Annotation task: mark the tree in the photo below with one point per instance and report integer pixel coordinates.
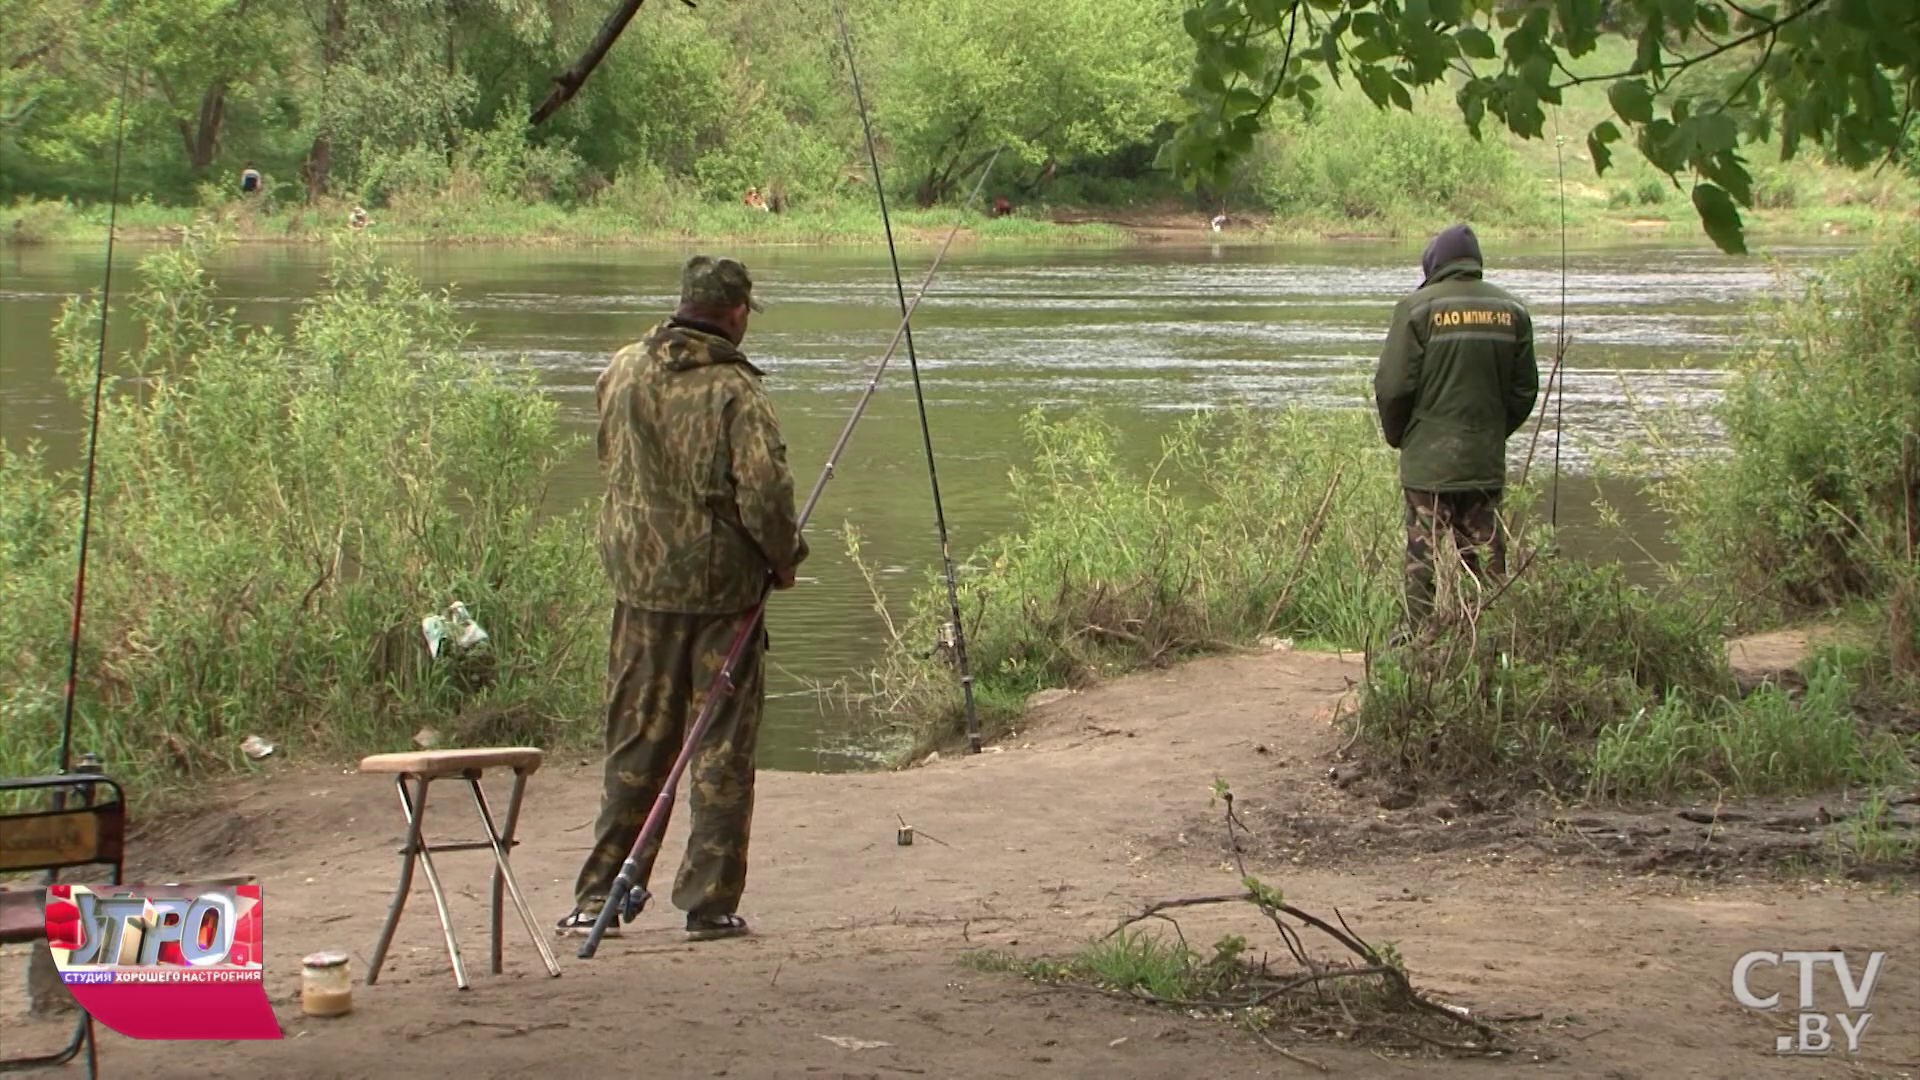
(1709, 77)
(1050, 83)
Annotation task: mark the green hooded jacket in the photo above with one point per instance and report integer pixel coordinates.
(1457, 377)
(699, 506)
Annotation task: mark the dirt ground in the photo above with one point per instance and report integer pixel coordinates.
(1623, 947)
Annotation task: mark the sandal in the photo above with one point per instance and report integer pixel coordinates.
(714, 927)
(581, 923)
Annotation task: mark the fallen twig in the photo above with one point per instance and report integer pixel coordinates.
(1290, 1055)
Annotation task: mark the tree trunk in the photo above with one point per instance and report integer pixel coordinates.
(320, 157)
(314, 168)
(203, 137)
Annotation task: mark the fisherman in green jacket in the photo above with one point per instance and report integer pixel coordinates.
(698, 518)
(1457, 378)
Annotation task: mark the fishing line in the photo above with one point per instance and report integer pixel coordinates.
(913, 364)
(93, 435)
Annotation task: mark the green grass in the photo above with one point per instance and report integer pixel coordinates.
(1768, 743)
(452, 221)
(1160, 965)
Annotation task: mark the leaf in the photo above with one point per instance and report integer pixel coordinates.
(1580, 25)
(1632, 101)
(1248, 60)
(1720, 217)
(1372, 50)
(1400, 96)
(1239, 100)
(1265, 12)
(1714, 132)
(1475, 42)
(1651, 44)
(1417, 11)
(1603, 133)
(1713, 18)
(1377, 84)
(1728, 171)
(1473, 105)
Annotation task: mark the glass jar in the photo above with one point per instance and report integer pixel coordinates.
(326, 985)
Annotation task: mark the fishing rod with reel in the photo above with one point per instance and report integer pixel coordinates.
(626, 895)
(953, 634)
(93, 439)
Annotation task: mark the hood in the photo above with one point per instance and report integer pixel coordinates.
(1453, 244)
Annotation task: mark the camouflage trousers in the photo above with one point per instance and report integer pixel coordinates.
(659, 668)
(1471, 520)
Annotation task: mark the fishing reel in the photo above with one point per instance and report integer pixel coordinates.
(947, 647)
(636, 899)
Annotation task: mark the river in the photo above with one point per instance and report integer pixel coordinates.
(1148, 335)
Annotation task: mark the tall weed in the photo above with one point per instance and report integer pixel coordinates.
(1248, 525)
(1814, 502)
(275, 515)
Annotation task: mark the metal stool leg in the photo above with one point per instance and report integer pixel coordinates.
(503, 870)
(400, 894)
(417, 847)
(433, 882)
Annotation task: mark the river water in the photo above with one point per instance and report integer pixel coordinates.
(1147, 335)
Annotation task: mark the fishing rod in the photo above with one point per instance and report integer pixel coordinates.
(1560, 409)
(957, 627)
(93, 434)
(1555, 377)
(722, 686)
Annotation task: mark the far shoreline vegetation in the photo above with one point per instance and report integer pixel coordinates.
(1167, 224)
(762, 104)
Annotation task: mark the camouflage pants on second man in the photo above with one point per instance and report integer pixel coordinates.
(1472, 519)
(659, 668)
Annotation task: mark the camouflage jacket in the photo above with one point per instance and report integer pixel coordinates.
(699, 505)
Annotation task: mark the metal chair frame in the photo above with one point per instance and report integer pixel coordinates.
(499, 841)
(109, 850)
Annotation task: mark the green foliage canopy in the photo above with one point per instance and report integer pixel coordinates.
(1708, 78)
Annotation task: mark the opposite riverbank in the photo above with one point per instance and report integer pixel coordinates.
(1591, 216)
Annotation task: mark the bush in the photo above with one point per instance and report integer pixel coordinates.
(1575, 681)
(1521, 688)
(1814, 503)
(275, 516)
(1280, 524)
(1355, 161)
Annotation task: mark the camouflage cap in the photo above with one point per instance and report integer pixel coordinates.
(712, 282)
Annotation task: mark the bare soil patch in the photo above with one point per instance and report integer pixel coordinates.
(1099, 807)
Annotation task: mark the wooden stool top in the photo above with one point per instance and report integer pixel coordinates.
(434, 764)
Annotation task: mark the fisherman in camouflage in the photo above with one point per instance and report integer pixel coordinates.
(1457, 378)
(699, 516)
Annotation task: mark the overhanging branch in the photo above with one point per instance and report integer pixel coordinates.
(569, 82)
